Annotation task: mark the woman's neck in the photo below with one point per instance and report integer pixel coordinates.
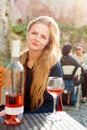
(32, 57)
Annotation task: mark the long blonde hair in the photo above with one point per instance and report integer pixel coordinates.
(49, 57)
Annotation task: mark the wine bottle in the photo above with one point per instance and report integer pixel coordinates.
(14, 98)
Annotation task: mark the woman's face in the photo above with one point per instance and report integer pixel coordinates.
(38, 37)
(79, 50)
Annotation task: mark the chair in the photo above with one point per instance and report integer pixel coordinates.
(78, 87)
(70, 71)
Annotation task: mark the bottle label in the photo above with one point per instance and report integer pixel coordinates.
(14, 111)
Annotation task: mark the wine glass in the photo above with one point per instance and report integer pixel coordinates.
(55, 87)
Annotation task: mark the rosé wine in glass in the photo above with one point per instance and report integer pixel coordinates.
(55, 91)
(55, 87)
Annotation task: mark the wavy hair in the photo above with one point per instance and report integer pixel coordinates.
(49, 57)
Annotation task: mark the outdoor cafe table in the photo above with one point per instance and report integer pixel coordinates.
(40, 122)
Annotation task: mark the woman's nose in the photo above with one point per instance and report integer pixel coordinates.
(37, 38)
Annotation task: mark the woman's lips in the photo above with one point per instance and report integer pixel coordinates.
(35, 44)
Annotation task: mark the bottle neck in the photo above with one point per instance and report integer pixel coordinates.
(15, 59)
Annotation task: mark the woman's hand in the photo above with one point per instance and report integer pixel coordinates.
(2, 110)
(2, 113)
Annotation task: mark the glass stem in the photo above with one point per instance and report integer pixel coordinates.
(54, 104)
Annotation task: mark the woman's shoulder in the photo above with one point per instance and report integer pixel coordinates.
(56, 70)
(23, 52)
(85, 54)
(57, 65)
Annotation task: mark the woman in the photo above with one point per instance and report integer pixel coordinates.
(81, 57)
(40, 61)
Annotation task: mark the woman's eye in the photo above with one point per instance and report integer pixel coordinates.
(34, 33)
(44, 37)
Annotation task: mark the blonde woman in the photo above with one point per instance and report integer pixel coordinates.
(40, 61)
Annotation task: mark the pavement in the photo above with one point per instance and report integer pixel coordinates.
(80, 115)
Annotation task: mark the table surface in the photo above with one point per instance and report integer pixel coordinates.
(40, 122)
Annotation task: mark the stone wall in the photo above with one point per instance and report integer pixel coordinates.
(65, 11)
(81, 13)
(3, 34)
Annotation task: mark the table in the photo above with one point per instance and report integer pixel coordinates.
(40, 122)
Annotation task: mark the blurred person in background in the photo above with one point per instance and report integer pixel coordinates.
(81, 57)
(67, 59)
